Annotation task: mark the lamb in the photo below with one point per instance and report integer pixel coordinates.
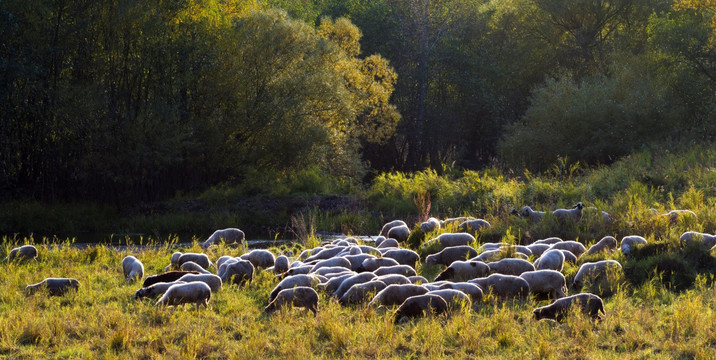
(359, 293)
(388, 243)
(534, 216)
(450, 254)
(374, 263)
(707, 240)
(294, 281)
(192, 266)
(574, 213)
(197, 293)
(22, 253)
(201, 259)
(455, 299)
(396, 294)
(349, 282)
(403, 256)
(300, 296)
(155, 290)
(588, 304)
(548, 241)
(399, 233)
(133, 268)
(511, 266)
(548, 282)
(395, 269)
(594, 271)
(574, 247)
(550, 260)
(464, 270)
(630, 242)
(390, 225)
(228, 236)
(473, 225)
(503, 286)
(605, 244)
(165, 277)
(260, 258)
(281, 264)
(239, 272)
(419, 305)
(430, 225)
(446, 240)
(472, 290)
(54, 286)
(214, 281)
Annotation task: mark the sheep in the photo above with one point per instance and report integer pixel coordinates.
(604, 216)
(605, 244)
(419, 305)
(22, 253)
(594, 271)
(357, 260)
(399, 233)
(548, 282)
(538, 249)
(133, 268)
(327, 270)
(403, 256)
(155, 290)
(201, 259)
(54, 286)
(388, 243)
(326, 253)
(455, 299)
(550, 260)
(532, 215)
(386, 228)
(165, 277)
(674, 215)
(569, 256)
(214, 281)
(488, 255)
(190, 265)
(260, 258)
(574, 247)
(445, 240)
(303, 269)
(294, 281)
(333, 283)
(472, 290)
(239, 272)
(491, 246)
(355, 279)
(588, 304)
(473, 225)
(281, 264)
(228, 236)
(225, 265)
(197, 293)
(395, 269)
(503, 286)
(390, 279)
(300, 296)
(369, 250)
(375, 263)
(430, 225)
(455, 221)
(707, 240)
(396, 294)
(222, 259)
(464, 270)
(418, 279)
(510, 266)
(450, 254)
(359, 293)
(630, 242)
(332, 262)
(574, 213)
(548, 241)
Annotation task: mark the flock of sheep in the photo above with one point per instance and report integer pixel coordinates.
(384, 275)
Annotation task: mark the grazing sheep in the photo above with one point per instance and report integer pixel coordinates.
(674, 215)
(404, 270)
(197, 293)
(594, 271)
(488, 255)
(201, 259)
(548, 282)
(574, 213)
(574, 247)
(332, 262)
(391, 279)
(455, 221)
(133, 268)
(503, 286)
(355, 279)
(403, 256)
(359, 293)
(532, 215)
(326, 253)
(400, 233)
(548, 241)
(396, 294)
(569, 256)
(214, 281)
(588, 304)
(174, 260)
(333, 283)
(386, 228)
(551, 260)
(630, 242)
(54, 286)
(300, 296)
(605, 244)
(538, 249)
(430, 225)
(281, 264)
(491, 246)
(707, 240)
(303, 269)
(223, 259)
(472, 290)
(418, 279)
(294, 281)
(388, 243)
(473, 225)
(155, 290)
(455, 299)
(420, 305)
(450, 254)
(260, 258)
(228, 236)
(511, 266)
(357, 260)
(239, 272)
(374, 263)
(446, 240)
(464, 270)
(169, 276)
(192, 266)
(22, 253)
(328, 270)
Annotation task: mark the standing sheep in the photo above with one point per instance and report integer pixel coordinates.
(473, 225)
(548, 282)
(574, 213)
(213, 281)
(396, 294)
(550, 260)
(294, 281)
(228, 236)
(165, 277)
(54, 286)
(133, 268)
(260, 258)
(300, 296)
(548, 241)
(197, 293)
(420, 305)
(403, 256)
(399, 233)
(430, 225)
(281, 264)
(404, 270)
(192, 266)
(464, 270)
(607, 243)
(359, 293)
(503, 286)
(349, 282)
(450, 254)
(511, 266)
(239, 272)
(588, 304)
(390, 225)
(533, 216)
(455, 299)
(707, 240)
(574, 247)
(22, 253)
(201, 259)
(594, 271)
(372, 264)
(445, 240)
(630, 242)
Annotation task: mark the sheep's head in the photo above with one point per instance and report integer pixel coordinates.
(526, 211)
(514, 212)
(579, 206)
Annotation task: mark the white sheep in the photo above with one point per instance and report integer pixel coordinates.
(418, 280)
(294, 281)
(464, 270)
(488, 255)
(222, 259)
(550, 260)
(54, 286)
(404, 270)
(357, 260)
(399, 233)
(594, 271)
(333, 283)
(574, 213)
(155, 290)
(491, 246)
(548, 241)
(548, 282)
(445, 240)
(607, 243)
(300, 296)
(630, 242)
(674, 215)
(430, 225)
(455, 221)
(228, 236)
(326, 253)
(396, 294)
(192, 266)
(371, 264)
(387, 243)
(455, 299)
(390, 279)
(450, 254)
(532, 215)
(707, 240)
(420, 305)
(403, 256)
(538, 249)
(510, 266)
(588, 304)
(197, 293)
(572, 246)
(503, 286)
(212, 280)
(473, 225)
(332, 262)
(260, 258)
(384, 230)
(361, 292)
(239, 272)
(569, 256)
(349, 282)
(133, 268)
(472, 290)
(22, 253)
(281, 264)
(329, 270)
(201, 259)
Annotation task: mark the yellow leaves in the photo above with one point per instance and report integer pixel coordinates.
(343, 33)
(708, 7)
